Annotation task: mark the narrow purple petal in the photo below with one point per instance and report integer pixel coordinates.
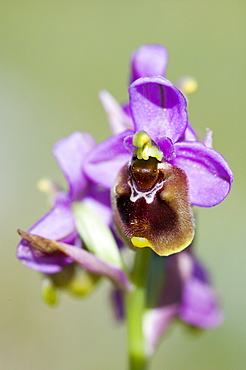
(156, 323)
(158, 108)
(127, 110)
(190, 133)
(209, 175)
(167, 147)
(148, 60)
(118, 304)
(118, 120)
(98, 266)
(58, 224)
(199, 305)
(70, 153)
(208, 139)
(106, 159)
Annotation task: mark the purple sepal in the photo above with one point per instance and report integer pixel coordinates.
(148, 60)
(189, 134)
(208, 139)
(58, 224)
(199, 305)
(118, 119)
(127, 110)
(156, 322)
(209, 175)
(186, 293)
(118, 304)
(158, 108)
(98, 266)
(70, 153)
(106, 159)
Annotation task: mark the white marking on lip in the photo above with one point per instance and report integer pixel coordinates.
(149, 196)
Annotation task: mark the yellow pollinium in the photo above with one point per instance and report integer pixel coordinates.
(188, 85)
(145, 147)
(140, 242)
(82, 283)
(49, 292)
(47, 186)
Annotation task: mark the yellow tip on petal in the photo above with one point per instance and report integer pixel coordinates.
(140, 242)
(49, 292)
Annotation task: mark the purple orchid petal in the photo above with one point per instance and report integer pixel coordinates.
(199, 272)
(70, 153)
(209, 175)
(58, 224)
(118, 120)
(106, 159)
(118, 304)
(208, 139)
(98, 199)
(167, 147)
(156, 323)
(158, 108)
(127, 110)
(199, 305)
(128, 142)
(190, 133)
(148, 60)
(98, 266)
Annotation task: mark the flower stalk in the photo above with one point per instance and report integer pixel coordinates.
(135, 305)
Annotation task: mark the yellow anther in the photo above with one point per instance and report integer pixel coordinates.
(49, 292)
(145, 147)
(188, 85)
(47, 186)
(140, 138)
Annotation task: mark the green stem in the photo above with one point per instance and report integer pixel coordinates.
(135, 302)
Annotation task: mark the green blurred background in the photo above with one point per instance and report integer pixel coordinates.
(54, 58)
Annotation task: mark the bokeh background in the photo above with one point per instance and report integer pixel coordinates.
(54, 58)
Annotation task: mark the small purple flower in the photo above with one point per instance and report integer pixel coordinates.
(184, 293)
(59, 223)
(186, 172)
(159, 108)
(89, 261)
(177, 286)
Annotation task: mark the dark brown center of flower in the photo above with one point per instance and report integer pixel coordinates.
(144, 173)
